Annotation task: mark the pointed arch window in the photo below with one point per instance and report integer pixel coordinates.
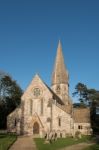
(58, 89)
(59, 121)
(31, 106)
(41, 106)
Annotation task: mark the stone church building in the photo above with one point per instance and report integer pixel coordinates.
(45, 109)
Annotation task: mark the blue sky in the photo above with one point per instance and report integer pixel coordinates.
(29, 34)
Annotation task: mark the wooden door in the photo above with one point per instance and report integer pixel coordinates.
(36, 128)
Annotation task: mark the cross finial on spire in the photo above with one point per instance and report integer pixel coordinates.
(59, 45)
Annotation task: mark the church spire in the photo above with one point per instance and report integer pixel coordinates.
(60, 74)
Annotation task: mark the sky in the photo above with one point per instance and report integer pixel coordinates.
(29, 35)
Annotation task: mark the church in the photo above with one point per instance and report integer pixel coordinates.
(45, 109)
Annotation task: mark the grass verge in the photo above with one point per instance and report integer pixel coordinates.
(6, 140)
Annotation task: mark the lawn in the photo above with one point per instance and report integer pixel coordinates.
(60, 143)
(6, 140)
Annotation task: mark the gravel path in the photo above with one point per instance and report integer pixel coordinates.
(79, 146)
(24, 143)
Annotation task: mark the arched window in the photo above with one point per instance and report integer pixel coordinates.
(31, 106)
(15, 122)
(58, 89)
(41, 106)
(59, 121)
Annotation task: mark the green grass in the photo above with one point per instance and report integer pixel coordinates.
(60, 143)
(6, 140)
(93, 147)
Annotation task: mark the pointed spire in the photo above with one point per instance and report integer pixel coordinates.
(60, 74)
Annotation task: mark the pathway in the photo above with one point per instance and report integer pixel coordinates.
(79, 146)
(24, 143)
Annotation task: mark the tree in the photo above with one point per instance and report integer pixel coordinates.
(10, 96)
(94, 108)
(88, 98)
(82, 93)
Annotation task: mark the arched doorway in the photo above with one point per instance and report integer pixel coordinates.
(36, 128)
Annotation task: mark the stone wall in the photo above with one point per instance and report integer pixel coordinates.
(83, 128)
(65, 119)
(14, 120)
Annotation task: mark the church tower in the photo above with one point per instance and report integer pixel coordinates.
(60, 77)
